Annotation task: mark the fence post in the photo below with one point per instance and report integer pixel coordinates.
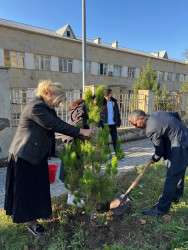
(184, 103)
(149, 99)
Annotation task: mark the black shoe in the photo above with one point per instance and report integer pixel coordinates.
(153, 211)
(176, 200)
(37, 230)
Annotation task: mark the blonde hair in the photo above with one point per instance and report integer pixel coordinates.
(56, 88)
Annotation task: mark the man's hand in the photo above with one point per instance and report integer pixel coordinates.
(151, 161)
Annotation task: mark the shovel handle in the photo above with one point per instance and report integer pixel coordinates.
(138, 178)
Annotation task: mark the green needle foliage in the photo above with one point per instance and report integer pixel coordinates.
(86, 161)
(147, 79)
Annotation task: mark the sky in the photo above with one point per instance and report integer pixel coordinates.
(144, 25)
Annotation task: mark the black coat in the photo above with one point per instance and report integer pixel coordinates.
(104, 114)
(76, 115)
(35, 131)
(170, 139)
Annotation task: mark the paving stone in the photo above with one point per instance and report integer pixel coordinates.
(136, 153)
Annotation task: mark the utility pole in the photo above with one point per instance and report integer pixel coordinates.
(83, 45)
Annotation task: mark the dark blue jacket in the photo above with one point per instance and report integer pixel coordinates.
(35, 131)
(104, 114)
(170, 139)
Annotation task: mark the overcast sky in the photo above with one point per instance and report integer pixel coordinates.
(145, 25)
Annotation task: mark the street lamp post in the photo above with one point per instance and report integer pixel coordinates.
(83, 45)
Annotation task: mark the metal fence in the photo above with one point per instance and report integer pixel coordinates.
(172, 102)
(20, 97)
(126, 102)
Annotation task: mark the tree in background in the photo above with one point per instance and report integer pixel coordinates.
(163, 100)
(184, 87)
(147, 79)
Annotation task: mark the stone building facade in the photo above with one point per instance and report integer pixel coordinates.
(32, 53)
(29, 54)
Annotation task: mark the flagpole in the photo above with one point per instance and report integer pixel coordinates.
(83, 45)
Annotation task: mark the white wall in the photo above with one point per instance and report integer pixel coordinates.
(75, 66)
(94, 68)
(124, 71)
(137, 72)
(29, 61)
(54, 63)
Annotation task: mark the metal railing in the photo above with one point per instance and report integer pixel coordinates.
(126, 102)
(172, 102)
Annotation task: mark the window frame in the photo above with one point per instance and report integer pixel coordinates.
(117, 70)
(131, 72)
(102, 67)
(88, 67)
(161, 76)
(177, 77)
(18, 55)
(65, 64)
(169, 78)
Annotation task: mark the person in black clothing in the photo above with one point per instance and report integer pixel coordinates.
(170, 139)
(110, 115)
(27, 196)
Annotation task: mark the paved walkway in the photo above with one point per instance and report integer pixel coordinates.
(136, 153)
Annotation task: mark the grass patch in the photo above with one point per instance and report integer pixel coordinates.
(69, 228)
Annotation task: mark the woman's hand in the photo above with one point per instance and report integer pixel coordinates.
(86, 132)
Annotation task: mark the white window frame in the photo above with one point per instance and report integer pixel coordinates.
(22, 95)
(104, 69)
(177, 77)
(161, 76)
(131, 72)
(183, 77)
(169, 76)
(42, 59)
(19, 55)
(117, 70)
(66, 65)
(88, 67)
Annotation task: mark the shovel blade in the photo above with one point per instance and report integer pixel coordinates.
(122, 208)
(120, 204)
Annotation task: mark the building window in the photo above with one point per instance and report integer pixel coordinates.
(131, 72)
(183, 78)
(169, 76)
(14, 59)
(22, 96)
(177, 77)
(117, 70)
(68, 33)
(65, 65)
(161, 76)
(88, 67)
(42, 62)
(102, 69)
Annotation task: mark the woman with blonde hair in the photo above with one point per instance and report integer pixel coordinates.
(27, 196)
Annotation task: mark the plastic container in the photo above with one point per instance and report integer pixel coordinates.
(52, 169)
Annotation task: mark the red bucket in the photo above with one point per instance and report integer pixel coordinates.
(52, 169)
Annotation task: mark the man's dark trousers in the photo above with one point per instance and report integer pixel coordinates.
(173, 188)
(113, 133)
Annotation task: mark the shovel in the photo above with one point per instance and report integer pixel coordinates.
(122, 201)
